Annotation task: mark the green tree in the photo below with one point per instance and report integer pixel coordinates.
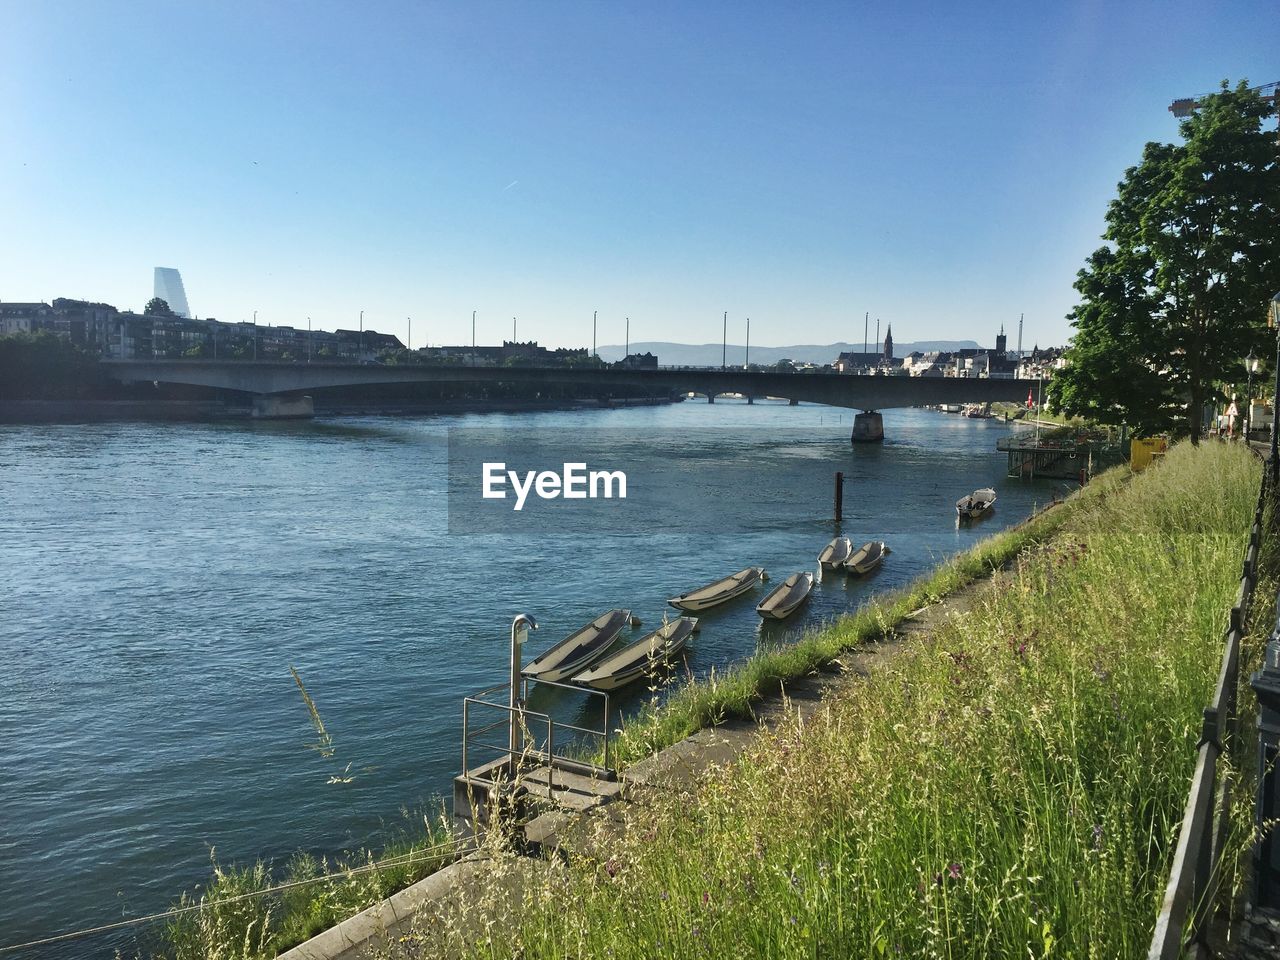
(157, 307)
(44, 366)
(1176, 299)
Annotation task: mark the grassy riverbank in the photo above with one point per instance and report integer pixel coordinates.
(1008, 786)
(246, 916)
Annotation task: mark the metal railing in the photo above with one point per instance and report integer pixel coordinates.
(529, 751)
(1195, 876)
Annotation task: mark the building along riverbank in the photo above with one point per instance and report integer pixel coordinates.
(1010, 781)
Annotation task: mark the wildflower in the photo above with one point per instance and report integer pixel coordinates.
(954, 870)
(663, 895)
(706, 898)
(697, 932)
(611, 867)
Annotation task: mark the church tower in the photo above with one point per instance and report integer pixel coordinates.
(888, 343)
(1002, 343)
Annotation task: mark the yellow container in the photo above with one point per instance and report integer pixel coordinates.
(1142, 450)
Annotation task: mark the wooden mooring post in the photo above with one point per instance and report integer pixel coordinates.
(839, 495)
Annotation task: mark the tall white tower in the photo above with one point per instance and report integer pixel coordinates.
(168, 287)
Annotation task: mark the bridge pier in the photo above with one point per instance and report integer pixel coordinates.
(750, 399)
(276, 406)
(794, 403)
(868, 427)
(711, 398)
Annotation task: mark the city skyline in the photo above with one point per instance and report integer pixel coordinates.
(944, 171)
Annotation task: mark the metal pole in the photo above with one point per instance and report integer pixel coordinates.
(593, 333)
(746, 361)
(724, 355)
(473, 338)
(409, 345)
(839, 495)
(866, 319)
(627, 349)
(1275, 402)
(520, 628)
(308, 339)
(513, 329)
(360, 349)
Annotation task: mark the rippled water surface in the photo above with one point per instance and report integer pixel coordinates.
(160, 580)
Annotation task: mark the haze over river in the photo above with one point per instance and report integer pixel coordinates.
(161, 579)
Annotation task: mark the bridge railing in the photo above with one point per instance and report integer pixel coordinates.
(1196, 875)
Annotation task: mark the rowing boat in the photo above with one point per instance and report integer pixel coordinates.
(835, 553)
(867, 557)
(786, 598)
(722, 591)
(639, 659)
(580, 649)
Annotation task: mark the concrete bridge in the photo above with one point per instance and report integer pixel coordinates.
(279, 389)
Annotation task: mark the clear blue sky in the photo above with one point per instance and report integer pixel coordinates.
(943, 166)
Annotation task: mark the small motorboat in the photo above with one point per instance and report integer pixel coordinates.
(975, 504)
(722, 591)
(640, 659)
(786, 598)
(835, 553)
(867, 557)
(580, 649)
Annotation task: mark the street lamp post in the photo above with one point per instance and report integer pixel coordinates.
(1251, 367)
(308, 339)
(409, 335)
(1274, 322)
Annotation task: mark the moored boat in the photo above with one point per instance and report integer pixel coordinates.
(640, 659)
(835, 553)
(975, 504)
(580, 649)
(722, 591)
(867, 557)
(784, 599)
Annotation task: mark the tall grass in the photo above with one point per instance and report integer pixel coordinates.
(1008, 786)
(241, 920)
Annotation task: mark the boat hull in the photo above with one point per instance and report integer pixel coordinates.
(647, 655)
(689, 601)
(799, 587)
(556, 665)
(835, 553)
(867, 558)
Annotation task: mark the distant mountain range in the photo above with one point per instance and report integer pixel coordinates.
(710, 354)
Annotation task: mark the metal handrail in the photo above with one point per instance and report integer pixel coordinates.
(522, 714)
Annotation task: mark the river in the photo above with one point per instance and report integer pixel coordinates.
(161, 579)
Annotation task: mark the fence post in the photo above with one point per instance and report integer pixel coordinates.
(1266, 685)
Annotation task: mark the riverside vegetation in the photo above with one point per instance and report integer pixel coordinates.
(1009, 784)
